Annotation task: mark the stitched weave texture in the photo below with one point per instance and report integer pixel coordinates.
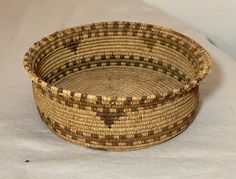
(117, 85)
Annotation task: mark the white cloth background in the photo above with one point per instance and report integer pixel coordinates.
(207, 149)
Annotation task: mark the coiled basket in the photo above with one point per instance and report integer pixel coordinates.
(116, 85)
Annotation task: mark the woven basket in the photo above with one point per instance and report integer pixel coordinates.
(117, 85)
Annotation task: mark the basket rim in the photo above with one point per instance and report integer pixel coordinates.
(76, 95)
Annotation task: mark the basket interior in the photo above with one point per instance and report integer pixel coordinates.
(118, 59)
(119, 81)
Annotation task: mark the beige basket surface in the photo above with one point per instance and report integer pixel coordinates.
(117, 85)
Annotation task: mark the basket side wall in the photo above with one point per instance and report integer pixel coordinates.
(133, 127)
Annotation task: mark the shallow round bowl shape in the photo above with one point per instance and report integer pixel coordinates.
(117, 85)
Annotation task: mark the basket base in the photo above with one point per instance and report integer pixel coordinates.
(119, 81)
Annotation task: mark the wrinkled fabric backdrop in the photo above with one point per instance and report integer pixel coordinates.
(207, 149)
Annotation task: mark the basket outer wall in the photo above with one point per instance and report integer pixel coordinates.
(142, 128)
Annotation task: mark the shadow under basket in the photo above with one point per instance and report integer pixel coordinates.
(117, 85)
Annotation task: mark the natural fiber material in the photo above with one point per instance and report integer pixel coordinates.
(117, 85)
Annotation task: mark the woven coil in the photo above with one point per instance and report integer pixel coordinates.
(117, 85)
